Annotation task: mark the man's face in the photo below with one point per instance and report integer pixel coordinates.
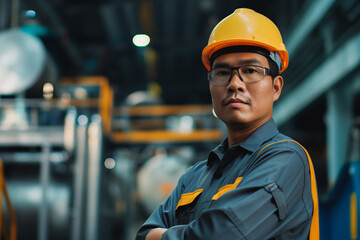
(245, 104)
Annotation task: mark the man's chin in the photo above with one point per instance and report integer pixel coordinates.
(237, 122)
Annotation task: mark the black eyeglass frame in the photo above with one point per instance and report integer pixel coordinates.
(267, 71)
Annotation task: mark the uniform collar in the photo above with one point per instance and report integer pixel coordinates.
(251, 144)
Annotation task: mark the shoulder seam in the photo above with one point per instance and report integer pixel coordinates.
(285, 140)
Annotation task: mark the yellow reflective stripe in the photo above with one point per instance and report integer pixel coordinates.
(188, 198)
(353, 216)
(227, 188)
(314, 228)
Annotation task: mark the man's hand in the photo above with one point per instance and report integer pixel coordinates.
(155, 234)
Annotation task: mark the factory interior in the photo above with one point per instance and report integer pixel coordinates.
(105, 103)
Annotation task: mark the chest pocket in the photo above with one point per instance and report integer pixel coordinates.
(185, 211)
(227, 188)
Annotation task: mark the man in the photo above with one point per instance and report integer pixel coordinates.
(258, 183)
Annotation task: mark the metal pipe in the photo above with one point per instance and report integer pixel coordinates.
(45, 181)
(77, 231)
(94, 177)
(338, 124)
(69, 130)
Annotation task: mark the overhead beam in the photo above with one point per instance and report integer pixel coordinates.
(48, 10)
(129, 10)
(310, 19)
(332, 71)
(109, 13)
(171, 12)
(191, 18)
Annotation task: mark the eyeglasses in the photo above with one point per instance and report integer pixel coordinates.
(248, 73)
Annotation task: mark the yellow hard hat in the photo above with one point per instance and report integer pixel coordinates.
(249, 28)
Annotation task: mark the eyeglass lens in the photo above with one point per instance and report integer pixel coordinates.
(222, 76)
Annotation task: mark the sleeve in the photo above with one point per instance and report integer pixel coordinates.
(268, 201)
(164, 215)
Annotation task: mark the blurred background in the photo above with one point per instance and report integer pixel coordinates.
(105, 103)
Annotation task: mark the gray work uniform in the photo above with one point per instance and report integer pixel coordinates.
(241, 192)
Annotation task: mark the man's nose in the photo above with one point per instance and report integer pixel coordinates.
(235, 83)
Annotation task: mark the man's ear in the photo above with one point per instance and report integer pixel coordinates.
(277, 87)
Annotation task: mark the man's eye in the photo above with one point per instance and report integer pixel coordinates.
(249, 70)
(221, 72)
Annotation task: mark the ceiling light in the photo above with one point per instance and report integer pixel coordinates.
(110, 163)
(30, 13)
(48, 90)
(141, 40)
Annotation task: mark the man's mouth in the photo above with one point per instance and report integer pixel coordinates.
(235, 100)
